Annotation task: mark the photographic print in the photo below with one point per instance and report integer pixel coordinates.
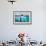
(22, 17)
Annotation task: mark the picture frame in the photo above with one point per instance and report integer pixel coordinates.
(22, 17)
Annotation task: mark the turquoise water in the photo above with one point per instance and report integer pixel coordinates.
(19, 18)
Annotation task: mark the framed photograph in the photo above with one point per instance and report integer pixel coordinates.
(22, 17)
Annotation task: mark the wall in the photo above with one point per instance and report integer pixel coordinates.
(9, 31)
